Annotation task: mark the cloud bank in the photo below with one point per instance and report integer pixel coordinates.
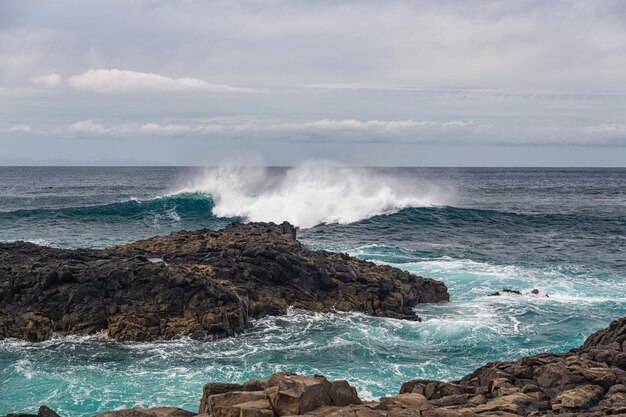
(412, 81)
(567, 44)
(356, 131)
(124, 81)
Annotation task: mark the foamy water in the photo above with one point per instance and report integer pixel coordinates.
(312, 193)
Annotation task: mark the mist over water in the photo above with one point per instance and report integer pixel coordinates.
(312, 194)
(561, 231)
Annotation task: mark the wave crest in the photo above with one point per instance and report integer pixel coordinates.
(312, 193)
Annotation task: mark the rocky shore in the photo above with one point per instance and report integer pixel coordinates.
(588, 381)
(211, 284)
(204, 284)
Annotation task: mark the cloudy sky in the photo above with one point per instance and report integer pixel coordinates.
(470, 83)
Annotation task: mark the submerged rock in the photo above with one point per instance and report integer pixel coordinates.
(508, 291)
(505, 291)
(205, 284)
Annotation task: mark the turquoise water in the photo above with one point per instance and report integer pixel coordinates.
(560, 231)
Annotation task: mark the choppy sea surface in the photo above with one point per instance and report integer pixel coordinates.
(561, 231)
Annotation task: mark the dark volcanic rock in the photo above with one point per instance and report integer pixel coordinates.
(204, 284)
(505, 291)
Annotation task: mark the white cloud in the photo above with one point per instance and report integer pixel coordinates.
(124, 81)
(21, 129)
(382, 125)
(369, 131)
(155, 128)
(88, 126)
(173, 129)
(48, 81)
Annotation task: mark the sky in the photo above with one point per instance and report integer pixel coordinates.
(374, 83)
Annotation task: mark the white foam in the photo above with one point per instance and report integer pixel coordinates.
(471, 280)
(311, 194)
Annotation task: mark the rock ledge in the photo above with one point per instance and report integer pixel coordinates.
(205, 284)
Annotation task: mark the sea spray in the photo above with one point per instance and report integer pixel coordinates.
(313, 193)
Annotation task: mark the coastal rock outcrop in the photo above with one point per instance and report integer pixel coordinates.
(587, 382)
(205, 284)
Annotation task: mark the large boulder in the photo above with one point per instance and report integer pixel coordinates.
(293, 394)
(283, 394)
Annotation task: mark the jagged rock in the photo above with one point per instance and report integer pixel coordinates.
(292, 394)
(47, 412)
(579, 398)
(342, 393)
(583, 382)
(614, 399)
(206, 284)
(283, 394)
(149, 412)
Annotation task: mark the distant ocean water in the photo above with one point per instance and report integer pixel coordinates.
(562, 231)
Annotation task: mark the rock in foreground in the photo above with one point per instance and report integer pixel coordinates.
(204, 284)
(589, 381)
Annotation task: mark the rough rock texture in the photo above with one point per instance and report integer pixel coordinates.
(283, 394)
(205, 284)
(588, 382)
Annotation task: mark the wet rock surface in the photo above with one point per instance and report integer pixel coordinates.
(589, 381)
(204, 284)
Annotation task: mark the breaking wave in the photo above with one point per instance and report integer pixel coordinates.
(312, 194)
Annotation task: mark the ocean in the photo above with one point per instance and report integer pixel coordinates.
(561, 231)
